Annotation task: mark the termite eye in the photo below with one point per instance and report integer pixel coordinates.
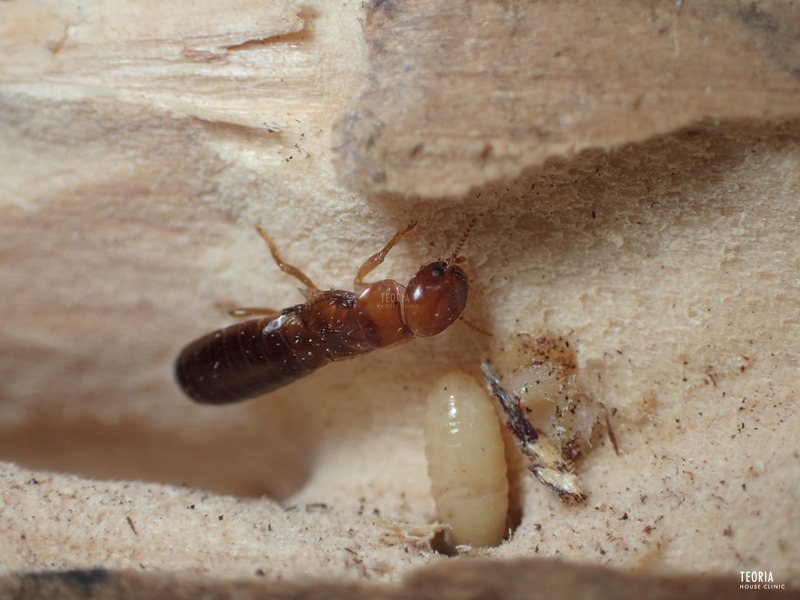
(435, 298)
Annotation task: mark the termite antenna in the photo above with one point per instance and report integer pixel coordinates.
(476, 328)
(463, 239)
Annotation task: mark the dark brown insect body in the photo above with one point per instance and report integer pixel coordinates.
(258, 356)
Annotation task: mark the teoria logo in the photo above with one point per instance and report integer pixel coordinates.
(759, 580)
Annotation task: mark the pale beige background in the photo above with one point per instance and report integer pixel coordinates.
(140, 148)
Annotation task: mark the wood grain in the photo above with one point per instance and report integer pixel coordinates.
(462, 94)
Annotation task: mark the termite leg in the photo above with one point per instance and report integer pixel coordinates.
(242, 312)
(376, 259)
(283, 266)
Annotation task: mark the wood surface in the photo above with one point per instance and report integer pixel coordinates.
(635, 170)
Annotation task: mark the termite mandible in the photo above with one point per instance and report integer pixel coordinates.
(258, 356)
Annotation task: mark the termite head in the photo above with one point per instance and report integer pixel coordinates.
(435, 298)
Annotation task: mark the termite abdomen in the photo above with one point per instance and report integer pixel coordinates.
(238, 362)
(259, 356)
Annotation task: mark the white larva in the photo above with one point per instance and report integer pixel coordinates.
(466, 461)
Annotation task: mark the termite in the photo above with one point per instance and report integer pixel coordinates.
(258, 356)
(466, 461)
